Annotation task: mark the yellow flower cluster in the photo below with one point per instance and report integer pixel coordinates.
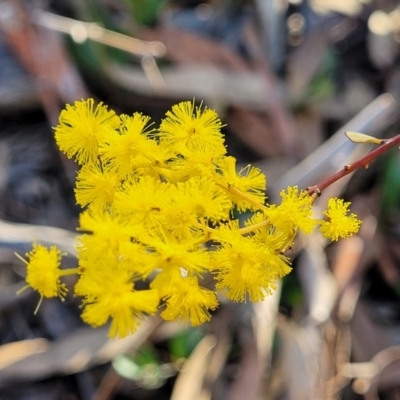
(158, 207)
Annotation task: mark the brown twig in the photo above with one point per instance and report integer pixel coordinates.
(361, 163)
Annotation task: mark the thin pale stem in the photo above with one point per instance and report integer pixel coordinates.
(19, 291)
(289, 241)
(21, 258)
(254, 227)
(247, 198)
(70, 271)
(38, 305)
(202, 239)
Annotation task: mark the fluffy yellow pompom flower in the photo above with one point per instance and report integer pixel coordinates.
(124, 305)
(246, 280)
(130, 148)
(178, 252)
(338, 223)
(295, 211)
(195, 201)
(80, 128)
(110, 293)
(142, 200)
(244, 188)
(185, 123)
(43, 271)
(264, 233)
(189, 302)
(197, 159)
(107, 233)
(95, 186)
(245, 268)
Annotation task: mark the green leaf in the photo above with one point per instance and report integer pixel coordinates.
(182, 344)
(144, 368)
(390, 203)
(145, 12)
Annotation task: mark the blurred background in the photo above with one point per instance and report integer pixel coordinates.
(288, 78)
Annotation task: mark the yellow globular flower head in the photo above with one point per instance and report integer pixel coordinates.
(249, 181)
(180, 217)
(294, 212)
(95, 186)
(186, 123)
(104, 233)
(199, 158)
(206, 199)
(81, 126)
(189, 302)
(137, 258)
(268, 235)
(131, 148)
(167, 280)
(110, 293)
(142, 200)
(339, 223)
(196, 200)
(247, 281)
(160, 167)
(43, 271)
(179, 253)
(245, 269)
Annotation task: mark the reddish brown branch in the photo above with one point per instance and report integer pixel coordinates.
(361, 163)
